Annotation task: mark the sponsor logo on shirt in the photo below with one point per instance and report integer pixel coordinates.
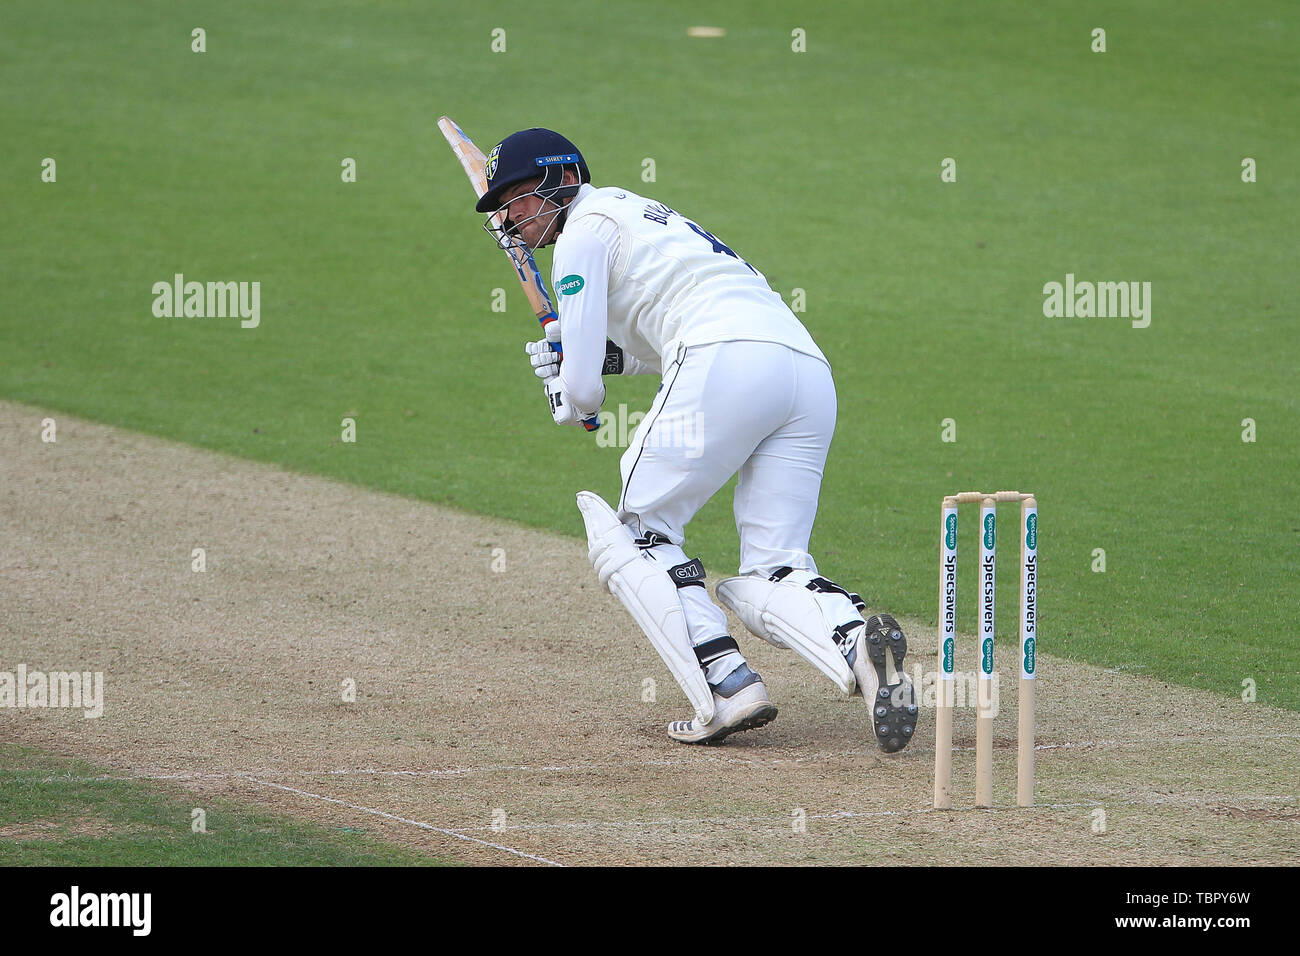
(570, 285)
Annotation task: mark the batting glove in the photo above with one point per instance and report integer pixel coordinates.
(546, 361)
(562, 409)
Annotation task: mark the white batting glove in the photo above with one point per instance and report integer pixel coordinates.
(562, 409)
(546, 361)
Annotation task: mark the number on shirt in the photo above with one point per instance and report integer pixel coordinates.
(718, 244)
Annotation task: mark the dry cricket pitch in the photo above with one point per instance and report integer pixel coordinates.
(499, 714)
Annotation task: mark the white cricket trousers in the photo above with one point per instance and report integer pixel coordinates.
(757, 408)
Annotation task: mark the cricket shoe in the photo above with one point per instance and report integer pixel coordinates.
(876, 657)
(740, 702)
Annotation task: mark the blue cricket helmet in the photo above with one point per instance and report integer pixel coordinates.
(530, 153)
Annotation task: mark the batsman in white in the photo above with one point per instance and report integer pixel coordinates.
(641, 289)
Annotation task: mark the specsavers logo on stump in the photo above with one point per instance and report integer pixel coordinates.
(570, 285)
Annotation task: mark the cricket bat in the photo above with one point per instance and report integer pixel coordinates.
(475, 165)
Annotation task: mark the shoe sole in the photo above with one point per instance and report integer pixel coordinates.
(765, 714)
(894, 723)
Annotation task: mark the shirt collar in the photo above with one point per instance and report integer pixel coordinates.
(584, 191)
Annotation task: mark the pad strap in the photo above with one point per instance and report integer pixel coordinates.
(689, 574)
(711, 650)
(843, 635)
(823, 586)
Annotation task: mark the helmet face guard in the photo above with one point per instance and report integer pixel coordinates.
(518, 158)
(507, 232)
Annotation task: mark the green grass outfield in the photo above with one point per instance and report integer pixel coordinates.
(56, 812)
(821, 168)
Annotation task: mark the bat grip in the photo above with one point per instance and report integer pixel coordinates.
(592, 423)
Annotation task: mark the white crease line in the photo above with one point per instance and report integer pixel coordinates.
(784, 821)
(393, 816)
(754, 761)
(467, 771)
(1178, 739)
(1210, 801)
(696, 759)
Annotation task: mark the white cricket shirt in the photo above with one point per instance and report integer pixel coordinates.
(632, 270)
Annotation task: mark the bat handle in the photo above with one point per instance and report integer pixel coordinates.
(592, 423)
